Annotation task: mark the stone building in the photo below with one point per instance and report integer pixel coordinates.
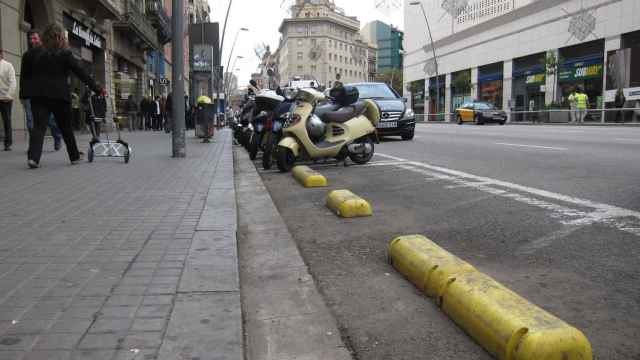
(119, 42)
(319, 41)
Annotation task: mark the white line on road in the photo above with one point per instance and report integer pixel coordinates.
(587, 211)
(626, 139)
(533, 146)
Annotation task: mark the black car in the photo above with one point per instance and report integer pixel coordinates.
(396, 119)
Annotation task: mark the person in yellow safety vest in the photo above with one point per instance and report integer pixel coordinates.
(572, 105)
(582, 101)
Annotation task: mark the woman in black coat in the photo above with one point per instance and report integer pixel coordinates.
(45, 80)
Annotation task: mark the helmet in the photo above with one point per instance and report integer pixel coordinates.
(316, 128)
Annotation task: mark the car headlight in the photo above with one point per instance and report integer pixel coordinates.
(409, 114)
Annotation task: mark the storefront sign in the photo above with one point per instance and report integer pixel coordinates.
(536, 79)
(164, 81)
(203, 58)
(83, 32)
(580, 72)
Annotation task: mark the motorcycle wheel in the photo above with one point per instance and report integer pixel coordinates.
(361, 159)
(267, 155)
(285, 159)
(254, 146)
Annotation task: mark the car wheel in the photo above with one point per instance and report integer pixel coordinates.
(408, 136)
(502, 122)
(478, 120)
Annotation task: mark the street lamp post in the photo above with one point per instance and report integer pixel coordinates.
(217, 75)
(433, 48)
(233, 47)
(227, 83)
(178, 140)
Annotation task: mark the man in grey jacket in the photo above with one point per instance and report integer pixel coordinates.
(7, 90)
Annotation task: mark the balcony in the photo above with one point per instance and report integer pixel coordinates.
(160, 20)
(135, 20)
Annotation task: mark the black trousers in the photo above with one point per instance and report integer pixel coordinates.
(42, 108)
(5, 112)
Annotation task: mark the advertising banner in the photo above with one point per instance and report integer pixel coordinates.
(202, 58)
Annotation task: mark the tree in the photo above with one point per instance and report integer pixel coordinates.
(392, 77)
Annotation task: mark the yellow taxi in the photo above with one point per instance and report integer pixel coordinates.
(480, 112)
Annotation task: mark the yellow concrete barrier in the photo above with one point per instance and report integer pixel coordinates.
(347, 204)
(425, 264)
(308, 177)
(507, 325)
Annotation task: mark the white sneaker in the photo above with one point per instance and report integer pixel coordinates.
(32, 164)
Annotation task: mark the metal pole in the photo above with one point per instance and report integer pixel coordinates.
(435, 60)
(224, 85)
(224, 30)
(178, 141)
(227, 87)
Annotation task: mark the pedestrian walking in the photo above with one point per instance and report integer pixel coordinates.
(132, 112)
(572, 105)
(7, 91)
(34, 44)
(619, 104)
(143, 113)
(150, 113)
(45, 80)
(168, 123)
(582, 103)
(156, 113)
(163, 112)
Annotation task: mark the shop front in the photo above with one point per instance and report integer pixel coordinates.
(623, 72)
(460, 89)
(127, 82)
(490, 84)
(417, 96)
(585, 74)
(437, 112)
(528, 92)
(89, 47)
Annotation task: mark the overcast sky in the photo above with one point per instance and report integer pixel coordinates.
(263, 18)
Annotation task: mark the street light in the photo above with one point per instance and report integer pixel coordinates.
(231, 53)
(433, 48)
(227, 83)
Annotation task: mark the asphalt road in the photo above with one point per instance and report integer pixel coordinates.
(552, 212)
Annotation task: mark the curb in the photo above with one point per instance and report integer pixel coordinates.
(505, 324)
(285, 317)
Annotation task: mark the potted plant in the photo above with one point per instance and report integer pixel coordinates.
(555, 116)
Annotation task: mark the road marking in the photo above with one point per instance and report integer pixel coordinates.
(569, 210)
(626, 139)
(533, 146)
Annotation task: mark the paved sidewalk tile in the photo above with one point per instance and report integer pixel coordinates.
(91, 256)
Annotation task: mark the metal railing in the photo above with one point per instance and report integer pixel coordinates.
(161, 20)
(135, 16)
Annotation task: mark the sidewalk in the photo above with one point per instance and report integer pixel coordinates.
(120, 261)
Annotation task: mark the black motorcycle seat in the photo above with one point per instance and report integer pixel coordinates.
(322, 110)
(343, 114)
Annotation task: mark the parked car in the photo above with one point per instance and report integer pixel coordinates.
(397, 119)
(480, 112)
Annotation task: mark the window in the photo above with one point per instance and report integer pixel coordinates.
(313, 69)
(329, 42)
(340, 58)
(299, 42)
(340, 46)
(300, 69)
(329, 68)
(313, 42)
(299, 55)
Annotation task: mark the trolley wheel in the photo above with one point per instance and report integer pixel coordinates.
(90, 154)
(127, 156)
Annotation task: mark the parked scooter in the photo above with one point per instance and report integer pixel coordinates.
(267, 102)
(275, 134)
(342, 128)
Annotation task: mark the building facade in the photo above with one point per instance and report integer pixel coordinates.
(388, 40)
(119, 42)
(319, 41)
(524, 55)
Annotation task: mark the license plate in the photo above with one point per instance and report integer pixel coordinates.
(384, 125)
